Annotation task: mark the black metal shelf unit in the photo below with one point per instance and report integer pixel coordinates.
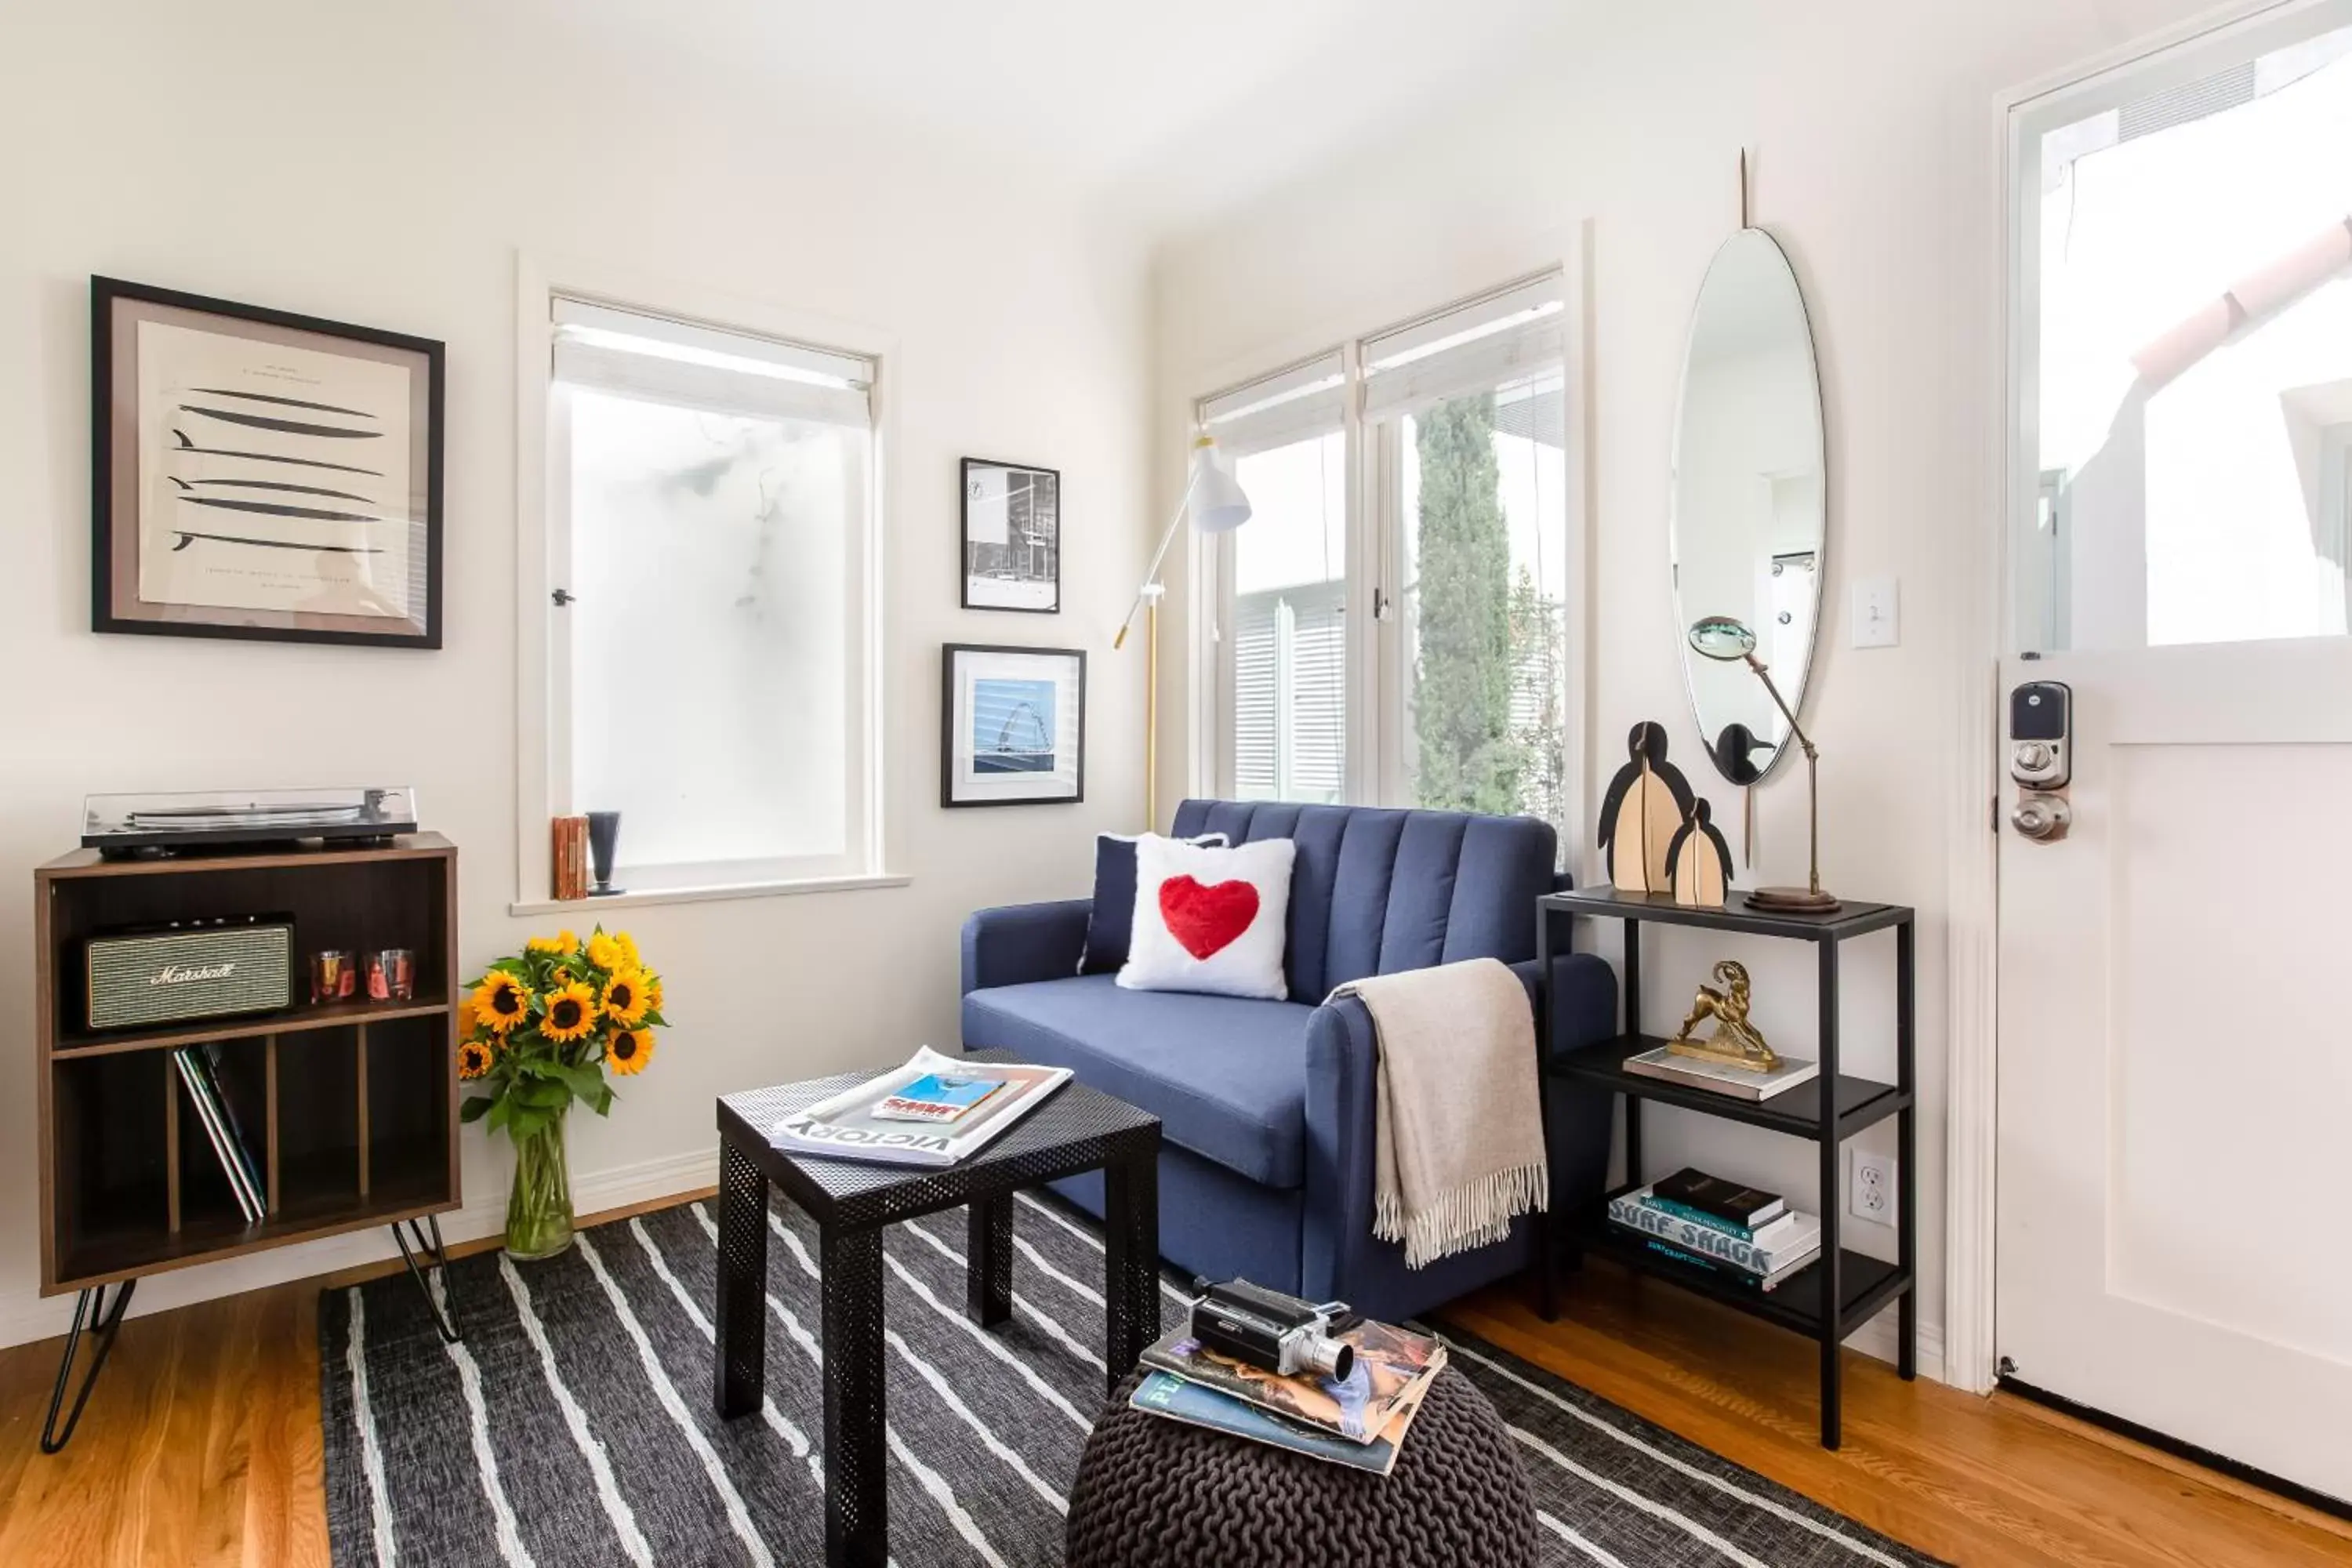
(1842, 1290)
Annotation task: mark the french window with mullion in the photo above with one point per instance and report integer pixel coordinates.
(1401, 638)
(711, 507)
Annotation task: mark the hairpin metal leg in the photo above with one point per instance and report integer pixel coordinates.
(91, 1311)
(436, 1257)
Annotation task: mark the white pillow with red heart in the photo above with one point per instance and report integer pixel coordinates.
(1210, 919)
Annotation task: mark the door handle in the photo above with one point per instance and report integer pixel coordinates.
(2042, 818)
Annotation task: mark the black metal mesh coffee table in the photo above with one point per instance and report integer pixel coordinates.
(1077, 1129)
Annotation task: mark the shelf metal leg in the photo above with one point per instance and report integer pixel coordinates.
(91, 1310)
(1544, 1223)
(1832, 1285)
(1906, 1149)
(436, 1258)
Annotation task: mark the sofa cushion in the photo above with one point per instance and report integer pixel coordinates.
(1227, 1078)
(1110, 919)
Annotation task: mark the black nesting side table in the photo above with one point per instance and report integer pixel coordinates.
(1843, 1289)
(1077, 1129)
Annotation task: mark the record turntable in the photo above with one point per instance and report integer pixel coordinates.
(119, 826)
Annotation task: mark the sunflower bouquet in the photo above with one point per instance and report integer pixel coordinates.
(539, 1032)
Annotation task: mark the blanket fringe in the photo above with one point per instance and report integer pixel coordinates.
(1474, 1215)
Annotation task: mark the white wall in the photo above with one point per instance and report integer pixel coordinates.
(1877, 168)
(385, 166)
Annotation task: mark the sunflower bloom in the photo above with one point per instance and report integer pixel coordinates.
(653, 992)
(627, 998)
(628, 946)
(500, 1001)
(473, 1060)
(628, 1051)
(571, 1014)
(606, 954)
(562, 941)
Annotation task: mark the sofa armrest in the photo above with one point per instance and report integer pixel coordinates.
(1342, 1061)
(1018, 943)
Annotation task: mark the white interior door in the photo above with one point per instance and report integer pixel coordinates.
(2174, 1062)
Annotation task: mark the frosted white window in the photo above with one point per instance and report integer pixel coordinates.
(714, 495)
(2185, 257)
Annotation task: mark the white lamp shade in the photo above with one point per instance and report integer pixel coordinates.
(1218, 504)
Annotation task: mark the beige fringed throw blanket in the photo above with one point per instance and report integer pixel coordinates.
(1457, 1126)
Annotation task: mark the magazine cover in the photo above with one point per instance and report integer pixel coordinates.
(937, 1098)
(846, 1127)
(1164, 1394)
(1391, 1367)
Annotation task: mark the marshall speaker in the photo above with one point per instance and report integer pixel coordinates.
(198, 969)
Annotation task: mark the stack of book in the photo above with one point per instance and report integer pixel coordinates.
(1735, 1231)
(1358, 1421)
(199, 1072)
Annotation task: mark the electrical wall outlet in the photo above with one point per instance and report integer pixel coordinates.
(1870, 1194)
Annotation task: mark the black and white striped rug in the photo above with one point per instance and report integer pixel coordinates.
(574, 1427)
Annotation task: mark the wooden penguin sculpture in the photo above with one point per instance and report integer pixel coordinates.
(1648, 803)
(1699, 860)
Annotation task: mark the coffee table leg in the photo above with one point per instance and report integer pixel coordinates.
(1130, 1261)
(988, 1285)
(856, 1493)
(743, 1330)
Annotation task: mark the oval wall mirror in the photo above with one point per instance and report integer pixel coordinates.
(1749, 498)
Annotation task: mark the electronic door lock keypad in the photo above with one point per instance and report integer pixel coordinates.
(2041, 734)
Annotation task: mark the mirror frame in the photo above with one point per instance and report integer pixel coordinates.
(1682, 616)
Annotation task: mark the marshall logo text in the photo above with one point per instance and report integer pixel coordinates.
(183, 973)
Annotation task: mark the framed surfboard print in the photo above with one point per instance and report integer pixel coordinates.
(262, 475)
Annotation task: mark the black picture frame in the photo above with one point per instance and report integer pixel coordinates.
(962, 789)
(1000, 580)
(115, 477)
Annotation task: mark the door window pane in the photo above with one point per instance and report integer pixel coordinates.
(1288, 623)
(1485, 593)
(2193, 363)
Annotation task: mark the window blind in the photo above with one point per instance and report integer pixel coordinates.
(1309, 399)
(695, 366)
(1290, 693)
(1473, 347)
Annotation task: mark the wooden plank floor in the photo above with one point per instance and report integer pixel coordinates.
(201, 1445)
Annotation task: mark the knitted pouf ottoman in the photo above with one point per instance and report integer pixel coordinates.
(1156, 1493)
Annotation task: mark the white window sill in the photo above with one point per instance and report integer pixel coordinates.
(643, 898)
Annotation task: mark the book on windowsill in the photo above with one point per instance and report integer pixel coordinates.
(1789, 1239)
(937, 1098)
(1392, 1369)
(1746, 1207)
(1718, 1077)
(1163, 1394)
(849, 1126)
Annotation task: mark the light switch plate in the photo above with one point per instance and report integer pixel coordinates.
(1877, 612)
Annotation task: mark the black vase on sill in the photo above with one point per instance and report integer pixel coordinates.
(604, 836)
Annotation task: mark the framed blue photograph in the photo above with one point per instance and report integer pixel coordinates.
(1013, 725)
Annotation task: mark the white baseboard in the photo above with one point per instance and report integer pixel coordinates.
(30, 1317)
(1879, 1338)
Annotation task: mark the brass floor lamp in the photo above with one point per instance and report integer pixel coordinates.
(1212, 499)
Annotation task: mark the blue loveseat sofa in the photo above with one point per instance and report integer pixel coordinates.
(1266, 1107)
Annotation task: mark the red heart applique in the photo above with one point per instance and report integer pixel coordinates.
(1206, 918)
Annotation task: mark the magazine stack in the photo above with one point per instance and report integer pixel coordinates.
(1358, 1420)
(931, 1111)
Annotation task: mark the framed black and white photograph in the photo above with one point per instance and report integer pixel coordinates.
(1013, 725)
(1012, 537)
(261, 475)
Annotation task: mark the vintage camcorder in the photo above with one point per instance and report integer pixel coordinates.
(1266, 1329)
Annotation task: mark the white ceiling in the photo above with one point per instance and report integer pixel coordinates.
(1173, 109)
